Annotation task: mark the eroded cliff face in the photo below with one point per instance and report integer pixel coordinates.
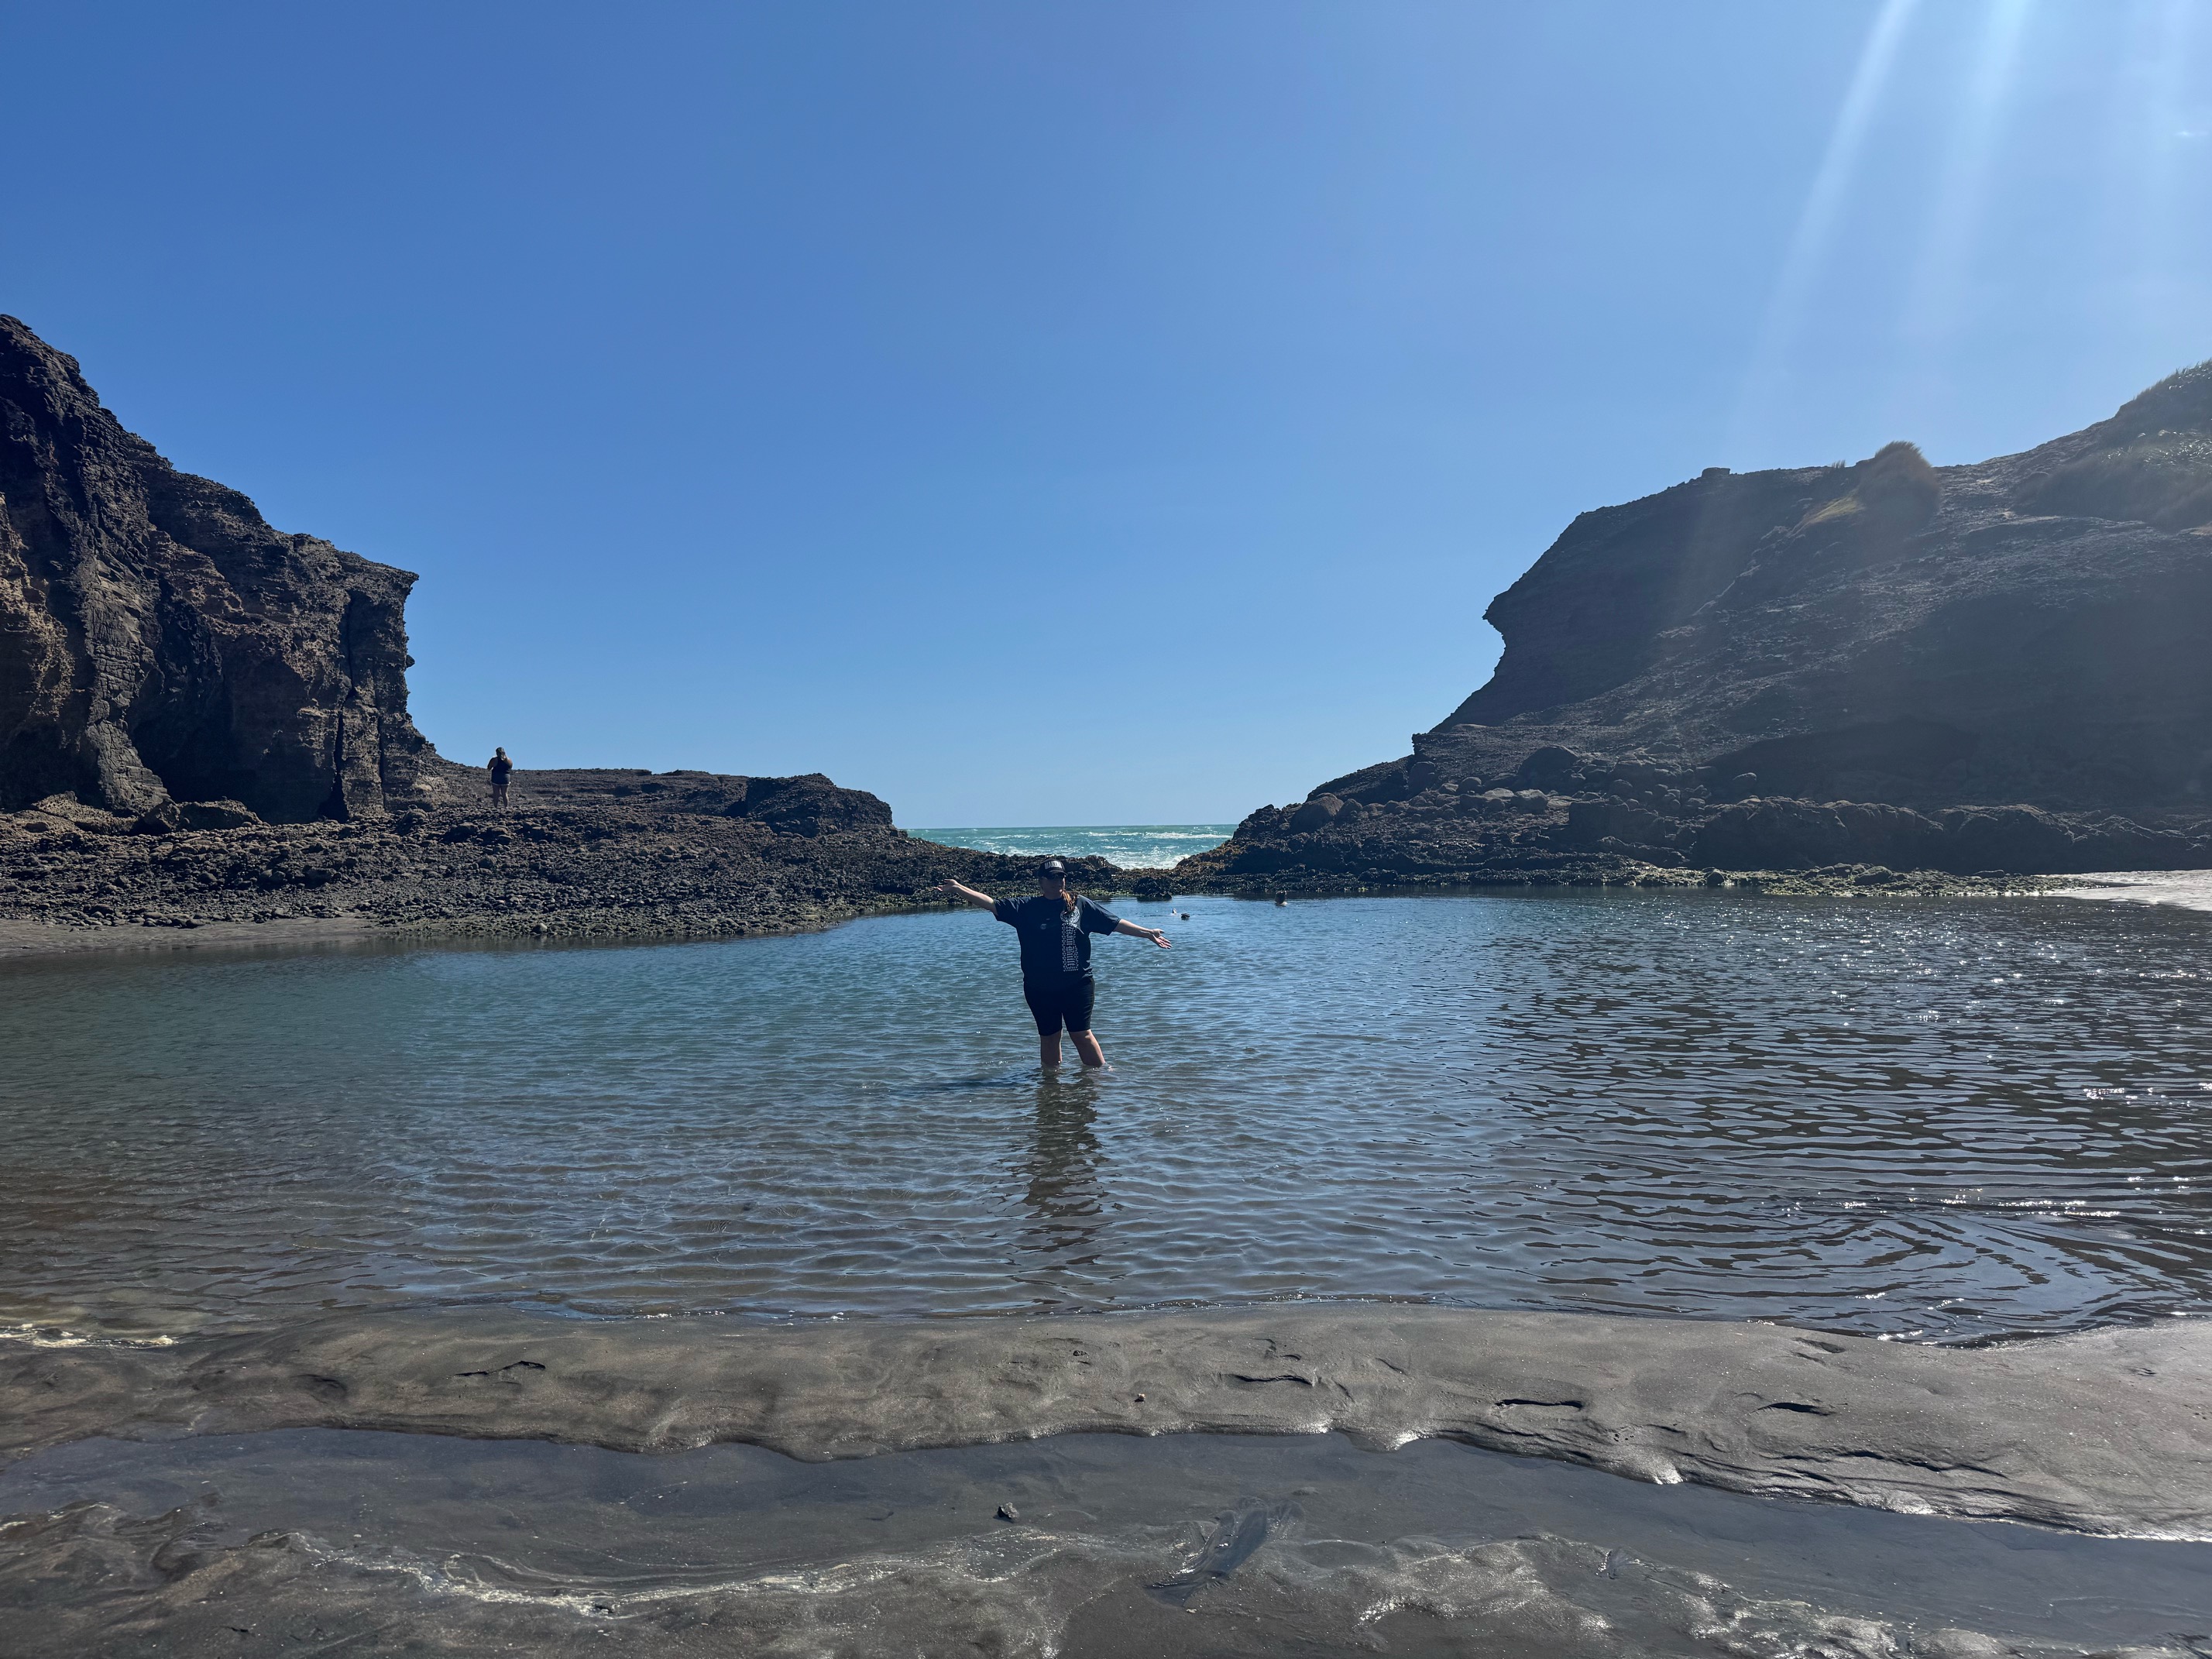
(1998, 666)
(2024, 631)
(159, 640)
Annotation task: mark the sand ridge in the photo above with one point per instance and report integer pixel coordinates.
(2107, 1432)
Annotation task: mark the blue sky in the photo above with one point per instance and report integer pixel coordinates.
(1058, 413)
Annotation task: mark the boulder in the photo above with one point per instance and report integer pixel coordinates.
(1548, 767)
(1314, 814)
(66, 809)
(1591, 823)
(809, 805)
(175, 815)
(1801, 835)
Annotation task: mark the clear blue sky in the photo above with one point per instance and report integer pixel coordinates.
(1066, 413)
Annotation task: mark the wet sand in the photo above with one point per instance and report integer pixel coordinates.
(1083, 1545)
(25, 940)
(2109, 1432)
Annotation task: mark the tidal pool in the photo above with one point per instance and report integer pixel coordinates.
(1925, 1119)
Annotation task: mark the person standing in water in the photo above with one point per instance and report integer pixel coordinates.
(1056, 928)
(499, 766)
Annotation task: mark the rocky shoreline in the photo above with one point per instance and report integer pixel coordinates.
(1564, 819)
(579, 856)
(74, 877)
(627, 856)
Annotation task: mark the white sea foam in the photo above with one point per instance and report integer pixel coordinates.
(57, 1336)
(1132, 845)
(2187, 890)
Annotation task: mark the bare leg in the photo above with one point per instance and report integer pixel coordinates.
(1049, 1050)
(1088, 1051)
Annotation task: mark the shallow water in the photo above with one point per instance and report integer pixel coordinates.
(1919, 1118)
(1130, 846)
(1085, 1544)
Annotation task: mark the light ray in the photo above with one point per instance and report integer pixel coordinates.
(1816, 222)
(1936, 303)
(1963, 190)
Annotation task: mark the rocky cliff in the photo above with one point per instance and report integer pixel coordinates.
(1993, 667)
(159, 641)
(202, 719)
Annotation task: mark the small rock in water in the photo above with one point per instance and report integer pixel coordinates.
(1008, 1512)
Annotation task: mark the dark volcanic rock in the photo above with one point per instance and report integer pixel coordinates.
(159, 640)
(583, 854)
(809, 805)
(1984, 668)
(175, 815)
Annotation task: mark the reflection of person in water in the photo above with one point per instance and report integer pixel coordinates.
(1062, 1195)
(1055, 929)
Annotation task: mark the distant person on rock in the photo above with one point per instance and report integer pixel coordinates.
(498, 766)
(1056, 928)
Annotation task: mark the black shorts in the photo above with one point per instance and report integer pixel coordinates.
(1064, 1002)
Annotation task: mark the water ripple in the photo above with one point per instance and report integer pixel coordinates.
(1904, 1119)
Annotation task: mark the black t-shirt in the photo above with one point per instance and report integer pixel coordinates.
(1054, 943)
(500, 767)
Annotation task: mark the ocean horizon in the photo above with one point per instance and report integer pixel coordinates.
(1131, 846)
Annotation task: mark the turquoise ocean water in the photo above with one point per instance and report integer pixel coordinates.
(1132, 845)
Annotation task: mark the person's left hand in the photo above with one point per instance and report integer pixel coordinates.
(1159, 938)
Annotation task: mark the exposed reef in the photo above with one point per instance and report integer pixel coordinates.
(2109, 1432)
(159, 641)
(587, 854)
(1874, 669)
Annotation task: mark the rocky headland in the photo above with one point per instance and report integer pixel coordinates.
(204, 724)
(1881, 675)
(1886, 677)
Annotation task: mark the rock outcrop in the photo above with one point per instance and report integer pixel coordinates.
(160, 642)
(585, 854)
(808, 805)
(1991, 667)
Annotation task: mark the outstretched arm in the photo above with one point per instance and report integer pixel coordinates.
(981, 900)
(1135, 932)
